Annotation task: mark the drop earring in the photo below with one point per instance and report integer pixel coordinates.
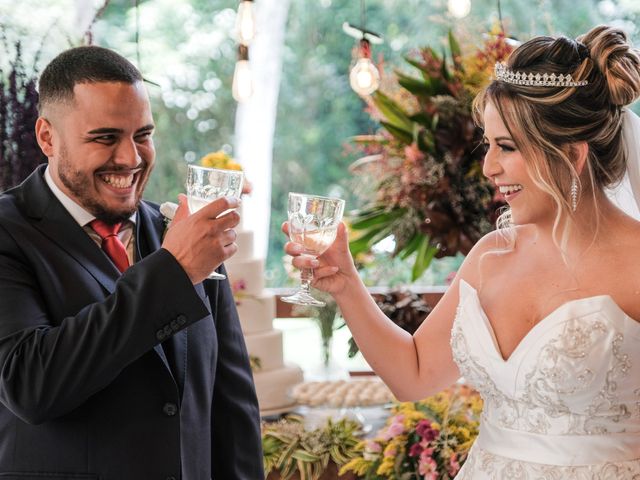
(574, 194)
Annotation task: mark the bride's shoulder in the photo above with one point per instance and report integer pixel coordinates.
(496, 243)
(503, 240)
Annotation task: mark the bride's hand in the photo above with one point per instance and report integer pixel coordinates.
(333, 271)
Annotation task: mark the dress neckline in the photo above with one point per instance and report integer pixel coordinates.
(592, 303)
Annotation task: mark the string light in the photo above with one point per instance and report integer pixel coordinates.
(364, 77)
(242, 85)
(459, 8)
(245, 23)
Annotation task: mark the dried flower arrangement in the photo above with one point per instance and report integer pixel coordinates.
(425, 163)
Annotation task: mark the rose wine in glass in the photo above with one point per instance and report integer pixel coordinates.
(205, 184)
(313, 223)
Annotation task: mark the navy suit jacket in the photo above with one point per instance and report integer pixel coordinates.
(137, 376)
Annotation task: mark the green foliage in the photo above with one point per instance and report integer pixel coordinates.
(429, 194)
(289, 448)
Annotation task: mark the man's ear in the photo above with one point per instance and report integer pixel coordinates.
(580, 151)
(44, 136)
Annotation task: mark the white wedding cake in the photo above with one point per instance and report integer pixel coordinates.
(273, 377)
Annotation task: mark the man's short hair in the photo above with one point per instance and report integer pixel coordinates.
(82, 65)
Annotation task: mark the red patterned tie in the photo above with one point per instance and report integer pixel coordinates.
(111, 243)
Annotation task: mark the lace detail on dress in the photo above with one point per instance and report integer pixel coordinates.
(562, 371)
(565, 404)
(485, 465)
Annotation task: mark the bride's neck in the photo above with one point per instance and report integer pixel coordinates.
(596, 217)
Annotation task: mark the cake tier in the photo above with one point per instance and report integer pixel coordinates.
(274, 387)
(256, 312)
(244, 240)
(267, 347)
(247, 276)
(242, 225)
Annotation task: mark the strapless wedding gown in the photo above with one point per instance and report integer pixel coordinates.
(565, 405)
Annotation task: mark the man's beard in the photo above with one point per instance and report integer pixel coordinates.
(79, 185)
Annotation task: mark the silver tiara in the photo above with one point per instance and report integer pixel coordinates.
(505, 74)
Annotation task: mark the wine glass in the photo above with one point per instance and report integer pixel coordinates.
(313, 223)
(205, 184)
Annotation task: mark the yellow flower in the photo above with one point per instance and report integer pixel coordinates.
(219, 160)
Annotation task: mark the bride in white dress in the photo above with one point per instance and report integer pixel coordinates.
(541, 317)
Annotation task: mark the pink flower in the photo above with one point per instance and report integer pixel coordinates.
(415, 450)
(454, 465)
(427, 466)
(238, 286)
(396, 428)
(373, 447)
(413, 154)
(425, 431)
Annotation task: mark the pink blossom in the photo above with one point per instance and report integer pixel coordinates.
(427, 467)
(413, 154)
(396, 428)
(415, 450)
(454, 465)
(425, 431)
(238, 286)
(373, 446)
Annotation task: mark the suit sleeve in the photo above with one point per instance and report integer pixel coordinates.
(236, 441)
(48, 370)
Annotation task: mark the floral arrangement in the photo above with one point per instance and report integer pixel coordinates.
(290, 451)
(219, 160)
(429, 439)
(223, 161)
(425, 163)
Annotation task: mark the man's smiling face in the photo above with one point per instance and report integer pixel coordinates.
(102, 150)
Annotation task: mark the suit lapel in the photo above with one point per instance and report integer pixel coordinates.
(52, 219)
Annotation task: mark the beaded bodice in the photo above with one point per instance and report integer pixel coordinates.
(570, 386)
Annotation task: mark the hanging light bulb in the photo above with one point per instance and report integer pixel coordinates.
(245, 22)
(242, 86)
(459, 8)
(364, 77)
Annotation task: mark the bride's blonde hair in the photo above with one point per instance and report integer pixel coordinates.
(545, 121)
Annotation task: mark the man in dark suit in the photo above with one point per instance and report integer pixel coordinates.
(118, 360)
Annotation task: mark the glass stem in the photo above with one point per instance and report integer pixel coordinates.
(306, 275)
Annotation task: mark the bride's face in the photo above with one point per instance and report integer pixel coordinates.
(506, 167)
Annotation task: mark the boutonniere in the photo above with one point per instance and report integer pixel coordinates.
(168, 211)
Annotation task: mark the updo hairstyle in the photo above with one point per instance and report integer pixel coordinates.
(544, 121)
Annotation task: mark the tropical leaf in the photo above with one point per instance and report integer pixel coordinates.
(414, 85)
(404, 136)
(456, 51)
(410, 247)
(305, 456)
(426, 141)
(446, 74)
(425, 253)
(366, 219)
(286, 455)
(393, 113)
(369, 239)
(305, 470)
(422, 118)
